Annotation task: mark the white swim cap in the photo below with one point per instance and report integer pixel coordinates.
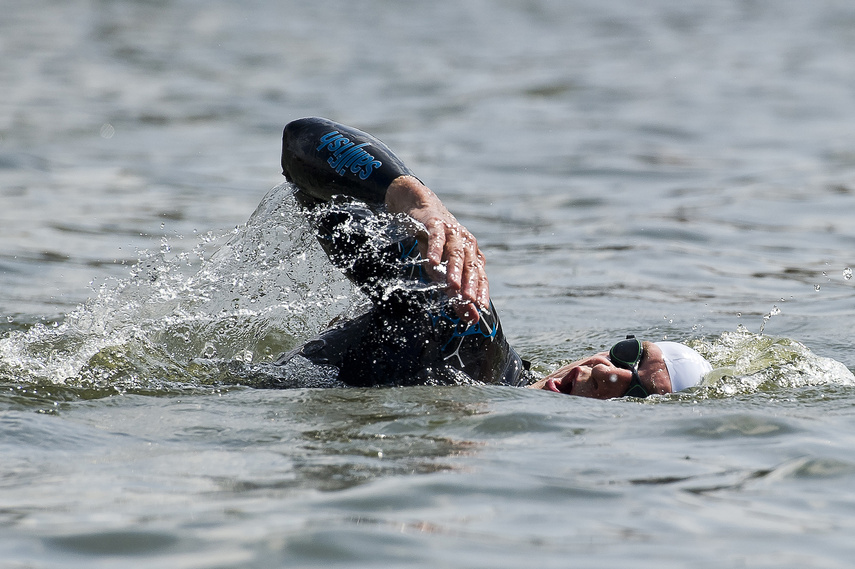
(685, 366)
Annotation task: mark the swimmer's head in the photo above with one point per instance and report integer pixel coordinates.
(686, 367)
(631, 368)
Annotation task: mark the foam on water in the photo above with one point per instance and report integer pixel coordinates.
(267, 287)
(745, 362)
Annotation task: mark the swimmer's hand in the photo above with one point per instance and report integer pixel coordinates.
(451, 250)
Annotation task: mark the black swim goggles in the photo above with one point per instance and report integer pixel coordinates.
(627, 354)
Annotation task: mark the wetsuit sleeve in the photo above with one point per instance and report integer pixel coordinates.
(323, 159)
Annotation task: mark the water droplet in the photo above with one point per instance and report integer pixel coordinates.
(774, 312)
(816, 287)
(847, 273)
(739, 315)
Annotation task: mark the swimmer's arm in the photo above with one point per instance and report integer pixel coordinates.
(447, 242)
(324, 158)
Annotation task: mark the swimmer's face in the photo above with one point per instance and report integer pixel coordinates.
(599, 378)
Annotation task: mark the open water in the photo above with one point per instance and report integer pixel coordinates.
(680, 170)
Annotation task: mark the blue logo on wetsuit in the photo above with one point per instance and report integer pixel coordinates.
(346, 154)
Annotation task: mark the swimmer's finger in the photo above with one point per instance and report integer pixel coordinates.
(470, 314)
(476, 287)
(473, 268)
(436, 242)
(483, 296)
(455, 256)
(466, 311)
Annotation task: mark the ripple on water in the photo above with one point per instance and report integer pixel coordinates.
(736, 426)
(122, 543)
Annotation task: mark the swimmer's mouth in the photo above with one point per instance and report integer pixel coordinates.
(563, 384)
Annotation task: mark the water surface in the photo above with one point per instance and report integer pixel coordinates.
(674, 170)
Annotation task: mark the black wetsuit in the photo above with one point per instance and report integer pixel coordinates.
(411, 334)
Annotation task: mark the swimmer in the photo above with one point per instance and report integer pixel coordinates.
(431, 321)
